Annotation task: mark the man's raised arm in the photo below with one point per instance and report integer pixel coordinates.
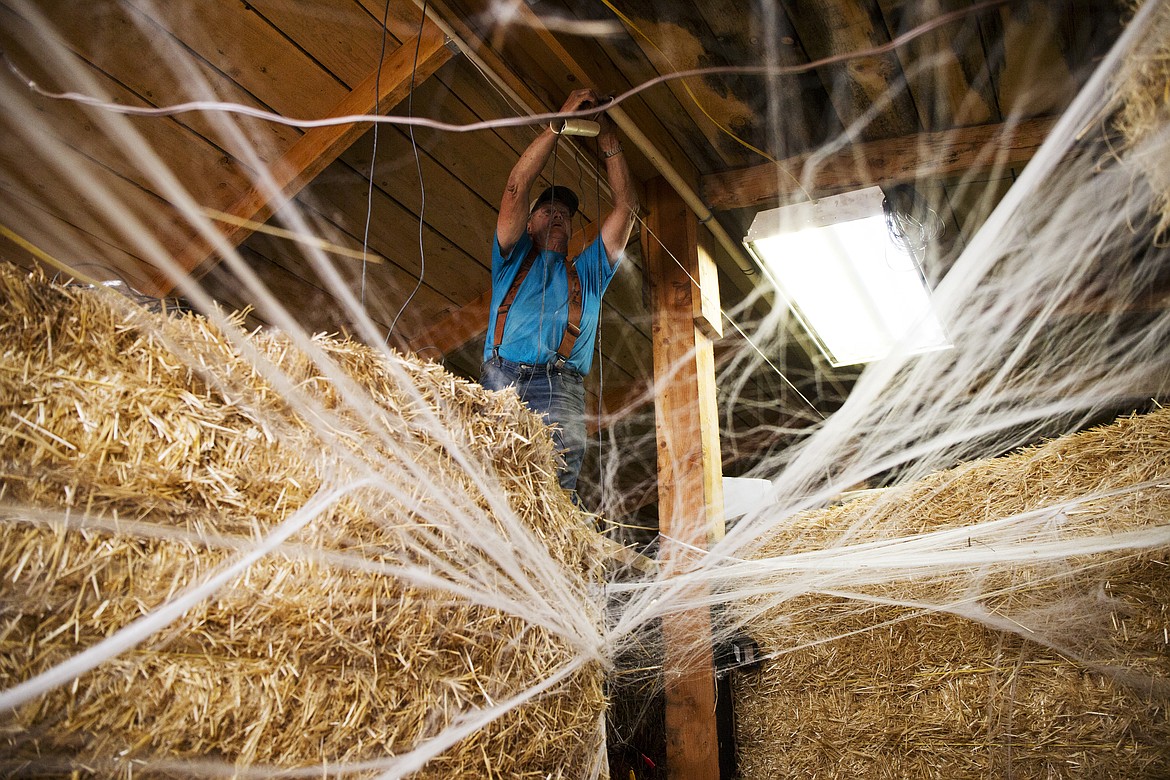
(513, 217)
(615, 230)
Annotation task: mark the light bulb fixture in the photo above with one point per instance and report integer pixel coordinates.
(860, 295)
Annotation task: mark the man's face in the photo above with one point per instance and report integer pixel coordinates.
(551, 226)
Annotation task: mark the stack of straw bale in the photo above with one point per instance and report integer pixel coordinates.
(1143, 115)
(1052, 670)
(139, 453)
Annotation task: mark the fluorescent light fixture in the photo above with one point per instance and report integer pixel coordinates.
(857, 293)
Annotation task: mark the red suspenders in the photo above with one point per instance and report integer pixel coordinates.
(572, 327)
(502, 312)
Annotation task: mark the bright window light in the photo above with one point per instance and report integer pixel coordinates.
(858, 293)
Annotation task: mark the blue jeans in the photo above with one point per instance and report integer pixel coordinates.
(556, 393)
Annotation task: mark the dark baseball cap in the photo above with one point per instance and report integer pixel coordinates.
(562, 195)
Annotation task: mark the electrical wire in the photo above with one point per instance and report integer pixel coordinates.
(374, 151)
(519, 121)
(694, 99)
(422, 190)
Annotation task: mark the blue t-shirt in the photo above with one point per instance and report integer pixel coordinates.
(536, 322)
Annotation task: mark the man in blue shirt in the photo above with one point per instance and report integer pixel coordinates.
(545, 305)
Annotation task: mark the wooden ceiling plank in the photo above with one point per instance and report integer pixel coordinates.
(386, 289)
(402, 16)
(345, 38)
(945, 69)
(115, 39)
(856, 86)
(66, 243)
(385, 294)
(394, 235)
(482, 173)
(53, 188)
(974, 204)
(310, 300)
(312, 306)
(320, 146)
(1035, 78)
(784, 116)
(887, 162)
(190, 155)
(530, 100)
(481, 99)
(248, 50)
(676, 38)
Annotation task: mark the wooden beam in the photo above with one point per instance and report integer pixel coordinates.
(456, 329)
(690, 487)
(891, 161)
(320, 146)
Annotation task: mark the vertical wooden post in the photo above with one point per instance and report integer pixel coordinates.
(690, 488)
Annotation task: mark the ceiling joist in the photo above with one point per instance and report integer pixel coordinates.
(906, 159)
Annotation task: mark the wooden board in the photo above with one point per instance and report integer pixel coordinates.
(689, 477)
(907, 159)
(250, 51)
(116, 39)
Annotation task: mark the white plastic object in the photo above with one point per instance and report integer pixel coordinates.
(583, 127)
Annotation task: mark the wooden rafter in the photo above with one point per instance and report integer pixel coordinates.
(320, 146)
(456, 329)
(895, 160)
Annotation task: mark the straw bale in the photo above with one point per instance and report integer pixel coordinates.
(1144, 105)
(1050, 670)
(140, 453)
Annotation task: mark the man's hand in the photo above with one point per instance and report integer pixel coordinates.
(513, 216)
(579, 100)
